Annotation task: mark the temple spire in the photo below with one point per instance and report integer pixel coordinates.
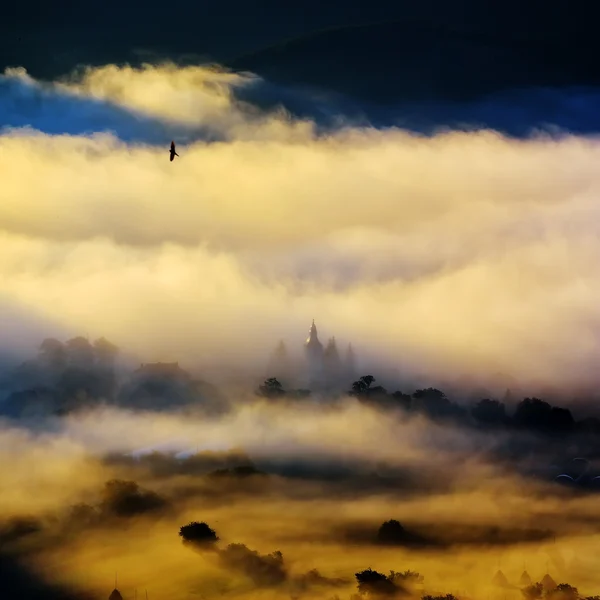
(313, 350)
(313, 338)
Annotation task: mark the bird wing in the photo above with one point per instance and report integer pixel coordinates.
(172, 145)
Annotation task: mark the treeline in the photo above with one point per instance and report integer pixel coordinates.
(62, 377)
(532, 414)
(65, 377)
(76, 374)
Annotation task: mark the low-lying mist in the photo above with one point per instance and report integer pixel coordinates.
(108, 490)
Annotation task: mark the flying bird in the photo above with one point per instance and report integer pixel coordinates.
(172, 152)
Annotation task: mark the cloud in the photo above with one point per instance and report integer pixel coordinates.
(461, 252)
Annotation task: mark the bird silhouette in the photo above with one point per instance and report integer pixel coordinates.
(172, 151)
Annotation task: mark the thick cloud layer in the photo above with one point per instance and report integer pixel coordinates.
(461, 252)
(72, 512)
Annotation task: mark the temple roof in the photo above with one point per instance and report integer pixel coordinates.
(313, 338)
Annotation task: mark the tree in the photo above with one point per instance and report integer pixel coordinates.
(432, 401)
(564, 591)
(375, 584)
(367, 380)
(197, 534)
(489, 412)
(391, 532)
(126, 499)
(560, 420)
(105, 352)
(378, 390)
(32, 403)
(80, 352)
(533, 591)
(271, 388)
(265, 570)
(431, 394)
(401, 399)
(533, 413)
(362, 387)
(52, 354)
(79, 387)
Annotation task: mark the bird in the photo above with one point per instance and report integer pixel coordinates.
(172, 152)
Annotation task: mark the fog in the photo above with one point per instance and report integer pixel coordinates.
(462, 252)
(420, 473)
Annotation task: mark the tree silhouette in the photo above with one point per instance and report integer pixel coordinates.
(80, 352)
(78, 387)
(362, 388)
(265, 570)
(489, 412)
(391, 532)
(402, 400)
(82, 516)
(433, 402)
(126, 499)
(560, 420)
(271, 388)
(105, 352)
(535, 414)
(533, 591)
(563, 591)
(198, 534)
(52, 353)
(374, 583)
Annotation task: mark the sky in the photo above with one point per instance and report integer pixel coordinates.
(457, 252)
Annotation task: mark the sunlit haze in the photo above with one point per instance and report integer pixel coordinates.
(322, 339)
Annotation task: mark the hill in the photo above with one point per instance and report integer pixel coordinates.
(391, 47)
(418, 59)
